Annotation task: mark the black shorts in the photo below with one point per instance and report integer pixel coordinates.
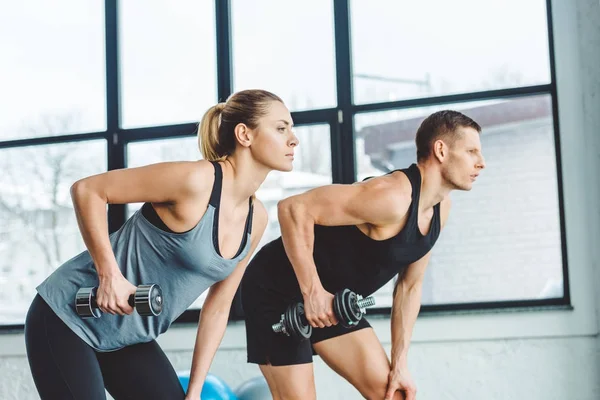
(263, 308)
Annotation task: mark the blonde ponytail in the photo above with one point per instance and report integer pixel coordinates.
(208, 134)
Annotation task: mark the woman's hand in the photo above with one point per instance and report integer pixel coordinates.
(112, 295)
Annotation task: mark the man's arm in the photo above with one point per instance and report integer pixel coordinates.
(376, 202)
(379, 201)
(405, 309)
(407, 300)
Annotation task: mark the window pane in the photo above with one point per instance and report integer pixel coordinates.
(502, 239)
(426, 48)
(39, 230)
(168, 61)
(287, 48)
(52, 72)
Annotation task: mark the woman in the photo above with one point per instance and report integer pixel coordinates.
(197, 229)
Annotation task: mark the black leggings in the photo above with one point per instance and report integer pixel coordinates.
(65, 367)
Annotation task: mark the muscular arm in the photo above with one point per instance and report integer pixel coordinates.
(377, 202)
(215, 311)
(405, 308)
(407, 301)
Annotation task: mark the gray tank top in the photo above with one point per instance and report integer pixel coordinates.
(183, 264)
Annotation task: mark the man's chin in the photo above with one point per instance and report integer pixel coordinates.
(465, 187)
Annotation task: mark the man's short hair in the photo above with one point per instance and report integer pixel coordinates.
(441, 125)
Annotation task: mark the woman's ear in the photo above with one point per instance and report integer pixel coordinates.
(243, 134)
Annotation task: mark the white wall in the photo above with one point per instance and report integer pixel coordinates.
(509, 355)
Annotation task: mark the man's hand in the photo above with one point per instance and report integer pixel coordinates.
(399, 379)
(318, 308)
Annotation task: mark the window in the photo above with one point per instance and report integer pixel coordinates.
(39, 230)
(287, 48)
(403, 61)
(416, 49)
(52, 70)
(502, 240)
(168, 61)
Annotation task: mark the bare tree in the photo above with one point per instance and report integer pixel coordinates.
(34, 201)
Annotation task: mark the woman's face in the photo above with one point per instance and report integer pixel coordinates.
(274, 140)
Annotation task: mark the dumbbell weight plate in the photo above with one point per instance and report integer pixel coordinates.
(352, 306)
(346, 309)
(148, 300)
(296, 323)
(338, 309)
(85, 303)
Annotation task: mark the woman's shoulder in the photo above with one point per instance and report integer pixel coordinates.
(197, 176)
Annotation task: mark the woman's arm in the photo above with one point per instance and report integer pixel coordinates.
(215, 311)
(174, 182)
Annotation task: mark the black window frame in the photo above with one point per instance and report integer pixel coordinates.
(339, 118)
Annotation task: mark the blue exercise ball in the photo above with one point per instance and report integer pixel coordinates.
(254, 389)
(214, 387)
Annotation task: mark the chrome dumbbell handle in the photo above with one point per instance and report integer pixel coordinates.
(364, 303)
(280, 326)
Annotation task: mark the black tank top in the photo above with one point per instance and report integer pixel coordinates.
(347, 258)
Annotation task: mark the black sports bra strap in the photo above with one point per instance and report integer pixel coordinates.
(215, 195)
(249, 219)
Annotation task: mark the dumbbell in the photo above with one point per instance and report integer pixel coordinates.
(147, 300)
(293, 323)
(348, 307)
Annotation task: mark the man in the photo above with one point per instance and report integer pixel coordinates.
(357, 236)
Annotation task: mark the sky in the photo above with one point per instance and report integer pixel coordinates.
(54, 65)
